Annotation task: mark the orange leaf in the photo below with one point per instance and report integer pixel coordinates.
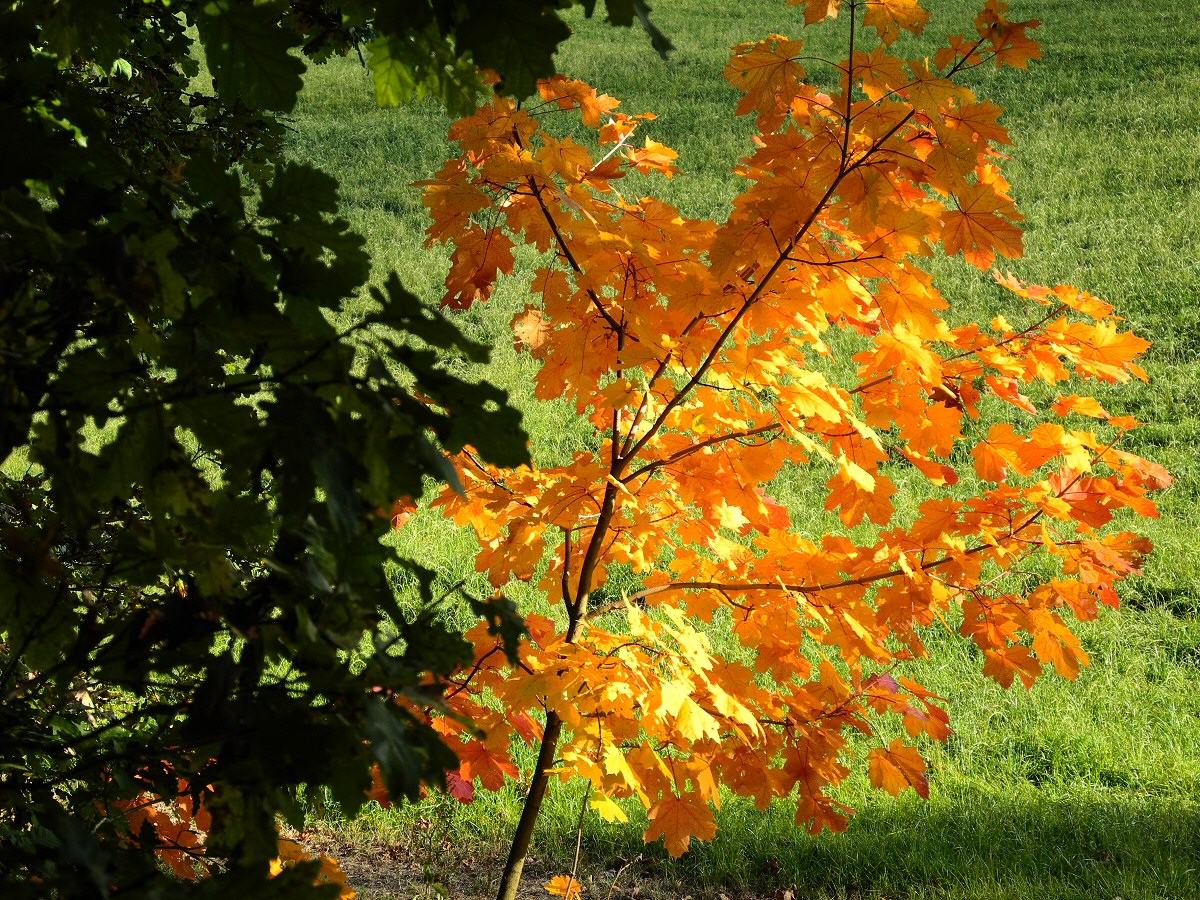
(880, 73)
(572, 94)
(402, 510)
(982, 227)
(564, 886)
(329, 871)
(1085, 406)
(478, 258)
(888, 17)
(655, 157)
(378, 790)
(477, 761)
(679, 819)
(817, 10)
(898, 767)
(770, 77)
(531, 329)
(1003, 664)
(1002, 449)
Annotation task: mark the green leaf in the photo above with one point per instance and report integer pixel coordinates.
(88, 28)
(419, 64)
(404, 312)
(247, 50)
(405, 753)
(482, 417)
(515, 38)
(392, 72)
(620, 12)
(297, 191)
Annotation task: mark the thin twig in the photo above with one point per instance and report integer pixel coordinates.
(621, 871)
(587, 795)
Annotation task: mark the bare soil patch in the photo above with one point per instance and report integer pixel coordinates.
(449, 870)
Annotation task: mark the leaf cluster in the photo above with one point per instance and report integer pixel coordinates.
(802, 332)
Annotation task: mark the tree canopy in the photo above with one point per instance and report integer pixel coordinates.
(201, 443)
(978, 486)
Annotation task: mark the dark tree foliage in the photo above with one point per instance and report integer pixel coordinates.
(201, 445)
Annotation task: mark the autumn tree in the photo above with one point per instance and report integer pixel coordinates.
(201, 437)
(704, 354)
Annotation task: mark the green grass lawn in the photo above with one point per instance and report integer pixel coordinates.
(1087, 789)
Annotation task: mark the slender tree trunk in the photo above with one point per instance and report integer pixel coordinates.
(577, 611)
(511, 879)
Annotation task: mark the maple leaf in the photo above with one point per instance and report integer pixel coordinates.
(977, 123)
(959, 48)
(568, 93)
(378, 790)
(531, 329)
(654, 157)
(459, 787)
(1055, 644)
(478, 258)
(889, 17)
(819, 814)
(452, 198)
(855, 493)
(565, 158)
(477, 761)
(769, 75)
(880, 72)
(678, 819)
(328, 872)
(565, 886)
(608, 809)
(897, 768)
(1010, 43)
(1084, 406)
(1004, 664)
(290, 852)
(1006, 389)
(817, 10)
(403, 509)
(981, 227)
(912, 302)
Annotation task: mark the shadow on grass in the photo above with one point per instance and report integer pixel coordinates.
(968, 846)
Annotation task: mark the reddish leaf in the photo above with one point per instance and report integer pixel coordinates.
(477, 761)
(460, 788)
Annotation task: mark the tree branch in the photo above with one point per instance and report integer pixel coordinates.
(696, 448)
(759, 289)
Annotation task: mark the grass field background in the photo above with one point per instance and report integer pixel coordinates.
(1083, 789)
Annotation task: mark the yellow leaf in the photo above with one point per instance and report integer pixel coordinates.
(564, 886)
(616, 764)
(692, 723)
(608, 809)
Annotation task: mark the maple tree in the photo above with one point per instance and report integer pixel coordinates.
(704, 355)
